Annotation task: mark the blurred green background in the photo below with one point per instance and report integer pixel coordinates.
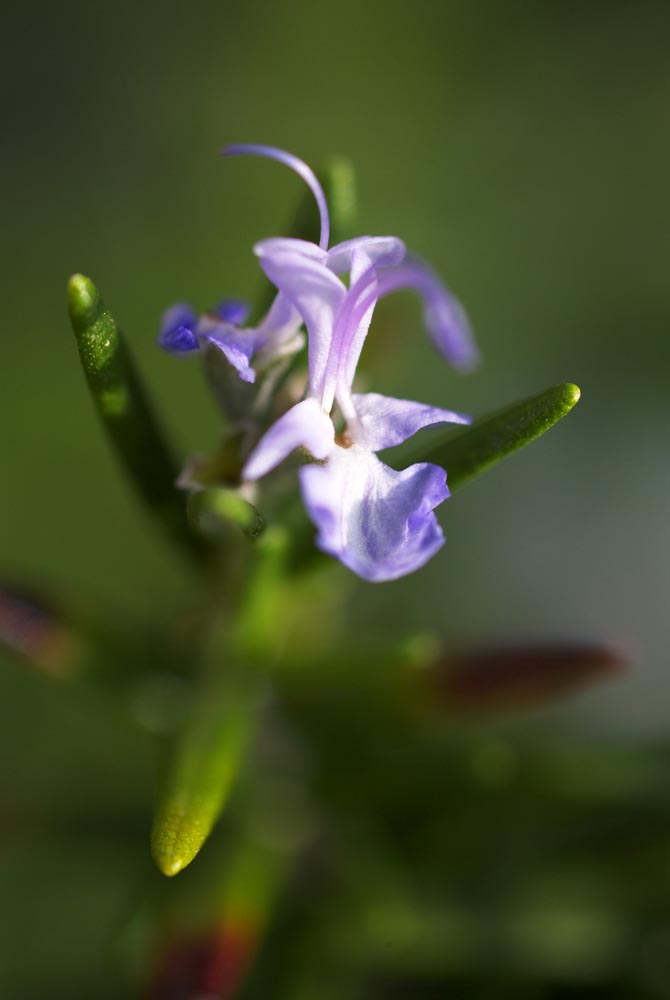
(524, 149)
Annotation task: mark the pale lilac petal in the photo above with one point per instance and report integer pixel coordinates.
(315, 292)
(281, 323)
(383, 251)
(444, 316)
(304, 424)
(385, 422)
(350, 330)
(238, 344)
(176, 333)
(359, 265)
(363, 293)
(377, 521)
(277, 244)
(296, 164)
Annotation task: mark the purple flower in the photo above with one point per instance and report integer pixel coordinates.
(377, 521)
(278, 334)
(444, 316)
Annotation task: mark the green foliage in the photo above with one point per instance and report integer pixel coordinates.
(474, 450)
(203, 765)
(125, 410)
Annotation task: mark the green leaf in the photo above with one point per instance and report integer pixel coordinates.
(487, 441)
(125, 410)
(205, 762)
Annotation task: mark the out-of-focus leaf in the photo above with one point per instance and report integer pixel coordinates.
(210, 964)
(487, 441)
(202, 769)
(35, 629)
(521, 676)
(125, 411)
(141, 668)
(217, 929)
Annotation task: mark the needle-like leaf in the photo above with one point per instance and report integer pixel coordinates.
(200, 774)
(487, 441)
(125, 410)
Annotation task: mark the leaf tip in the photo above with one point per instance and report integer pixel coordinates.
(572, 394)
(170, 865)
(83, 300)
(174, 844)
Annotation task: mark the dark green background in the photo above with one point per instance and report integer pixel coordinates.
(522, 147)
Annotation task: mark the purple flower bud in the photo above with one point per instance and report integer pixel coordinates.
(177, 330)
(233, 311)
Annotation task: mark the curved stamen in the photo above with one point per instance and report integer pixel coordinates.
(300, 168)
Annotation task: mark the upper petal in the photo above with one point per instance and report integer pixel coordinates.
(385, 421)
(277, 244)
(444, 316)
(314, 291)
(363, 295)
(350, 330)
(377, 521)
(304, 424)
(281, 322)
(382, 251)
